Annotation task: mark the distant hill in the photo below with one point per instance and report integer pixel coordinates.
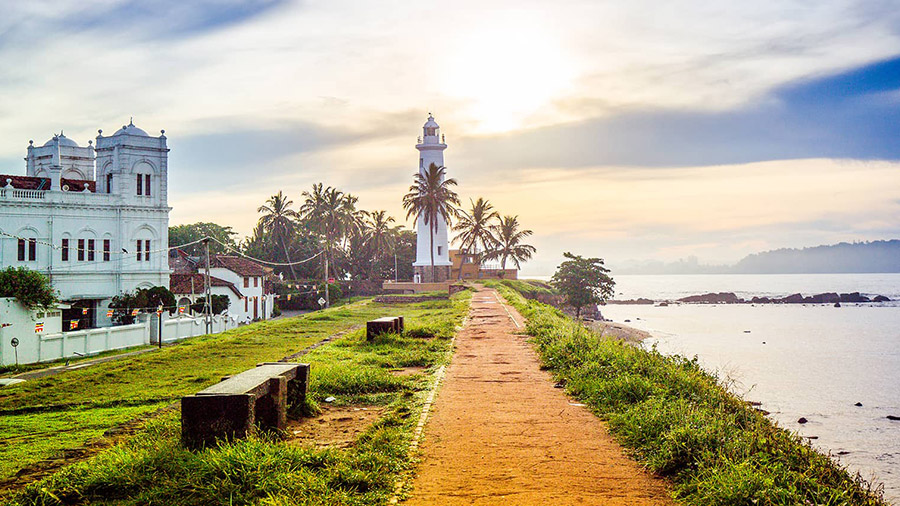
(874, 256)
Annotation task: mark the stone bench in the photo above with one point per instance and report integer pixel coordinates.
(238, 405)
(383, 326)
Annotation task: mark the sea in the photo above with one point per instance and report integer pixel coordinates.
(814, 361)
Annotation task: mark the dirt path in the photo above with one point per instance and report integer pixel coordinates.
(501, 433)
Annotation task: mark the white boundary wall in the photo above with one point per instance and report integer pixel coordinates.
(36, 347)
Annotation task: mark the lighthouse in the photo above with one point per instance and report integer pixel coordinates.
(431, 151)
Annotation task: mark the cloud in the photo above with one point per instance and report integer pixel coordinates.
(852, 114)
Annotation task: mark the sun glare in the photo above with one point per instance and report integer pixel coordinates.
(506, 72)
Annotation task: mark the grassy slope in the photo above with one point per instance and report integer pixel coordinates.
(41, 417)
(681, 423)
(154, 468)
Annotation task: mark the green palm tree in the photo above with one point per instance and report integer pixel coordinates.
(280, 221)
(509, 243)
(431, 197)
(379, 234)
(475, 227)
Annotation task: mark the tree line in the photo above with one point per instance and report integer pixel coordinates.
(355, 243)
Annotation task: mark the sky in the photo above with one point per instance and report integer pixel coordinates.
(632, 131)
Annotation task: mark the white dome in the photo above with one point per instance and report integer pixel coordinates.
(431, 123)
(130, 129)
(63, 141)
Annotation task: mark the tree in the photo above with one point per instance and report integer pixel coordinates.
(380, 236)
(144, 299)
(583, 281)
(476, 227)
(431, 197)
(219, 304)
(508, 245)
(280, 221)
(31, 288)
(182, 234)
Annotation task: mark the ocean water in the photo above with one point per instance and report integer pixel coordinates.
(812, 361)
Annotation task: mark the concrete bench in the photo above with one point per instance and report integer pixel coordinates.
(237, 406)
(383, 326)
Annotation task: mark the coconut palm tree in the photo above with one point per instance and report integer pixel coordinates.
(509, 243)
(475, 227)
(431, 197)
(379, 234)
(280, 221)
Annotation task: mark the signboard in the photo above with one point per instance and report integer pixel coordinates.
(109, 313)
(289, 296)
(84, 311)
(321, 301)
(38, 327)
(330, 280)
(14, 342)
(180, 309)
(134, 312)
(73, 324)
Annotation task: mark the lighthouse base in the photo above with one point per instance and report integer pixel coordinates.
(423, 273)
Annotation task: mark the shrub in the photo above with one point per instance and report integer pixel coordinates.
(31, 288)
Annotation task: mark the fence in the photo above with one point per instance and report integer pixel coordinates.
(38, 347)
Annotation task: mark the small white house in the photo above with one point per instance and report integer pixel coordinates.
(241, 279)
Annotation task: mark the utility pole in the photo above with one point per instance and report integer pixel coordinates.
(395, 267)
(327, 299)
(208, 296)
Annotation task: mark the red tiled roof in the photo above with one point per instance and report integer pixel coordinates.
(239, 265)
(77, 185)
(43, 183)
(180, 284)
(26, 182)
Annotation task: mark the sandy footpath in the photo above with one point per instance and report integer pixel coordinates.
(500, 433)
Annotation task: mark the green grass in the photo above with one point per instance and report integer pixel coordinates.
(680, 422)
(523, 286)
(142, 383)
(153, 467)
(12, 370)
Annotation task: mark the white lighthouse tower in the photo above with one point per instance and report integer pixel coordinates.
(431, 151)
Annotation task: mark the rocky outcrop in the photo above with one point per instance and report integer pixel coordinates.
(881, 298)
(631, 301)
(712, 298)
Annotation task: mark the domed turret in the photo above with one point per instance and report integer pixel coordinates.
(63, 141)
(130, 129)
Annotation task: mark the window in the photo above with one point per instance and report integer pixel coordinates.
(106, 246)
(246, 283)
(246, 303)
(140, 245)
(21, 250)
(81, 250)
(90, 249)
(65, 250)
(147, 250)
(109, 183)
(255, 282)
(439, 250)
(147, 185)
(32, 249)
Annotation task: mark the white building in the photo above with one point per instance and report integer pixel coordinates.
(241, 279)
(431, 151)
(94, 219)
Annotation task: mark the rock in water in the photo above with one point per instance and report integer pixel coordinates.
(892, 417)
(802, 420)
(858, 404)
(837, 304)
(881, 298)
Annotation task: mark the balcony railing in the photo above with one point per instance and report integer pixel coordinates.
(22, 194)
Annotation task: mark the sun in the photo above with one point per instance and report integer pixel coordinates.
(506, 70)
